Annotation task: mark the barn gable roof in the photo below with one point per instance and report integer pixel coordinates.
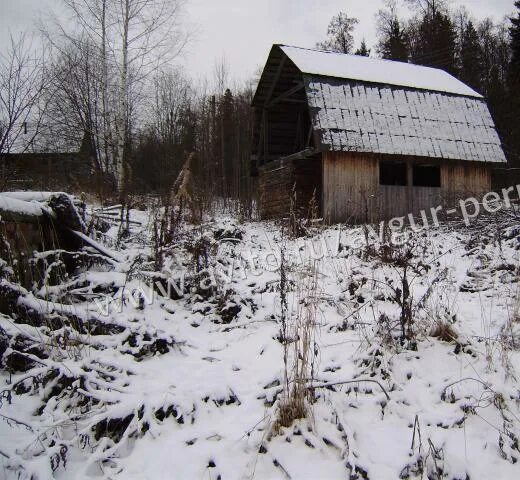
(373, 70)
(361, 104)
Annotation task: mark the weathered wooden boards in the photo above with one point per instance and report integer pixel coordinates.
(351, 190)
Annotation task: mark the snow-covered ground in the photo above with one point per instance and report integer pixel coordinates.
(189, 388)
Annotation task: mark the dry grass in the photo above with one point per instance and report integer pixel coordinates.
(289, 410)
(298, 339)
(444, 331)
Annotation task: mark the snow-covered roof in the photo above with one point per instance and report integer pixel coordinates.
(359, 104)
(349, 115)
(355, 67)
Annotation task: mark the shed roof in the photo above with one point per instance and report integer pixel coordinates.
(360, 104)
(355, 67)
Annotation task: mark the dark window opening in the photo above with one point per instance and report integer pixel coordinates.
(426, 176)
(391, 173)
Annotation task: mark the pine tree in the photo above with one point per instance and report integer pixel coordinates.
(514, 86)
(363, 50)
(227, 139)
(433, 35)
(470, 57)
(395, 46)
(340, 38)
(393, 40)
(515, 44)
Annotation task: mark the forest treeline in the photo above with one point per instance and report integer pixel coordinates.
(482, 53)
(109, 79)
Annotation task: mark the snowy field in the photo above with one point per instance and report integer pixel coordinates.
(150, 387)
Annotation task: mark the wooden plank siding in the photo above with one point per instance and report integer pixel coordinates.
(463, 179)
(351, 190)
(350, 181)
(398, 201)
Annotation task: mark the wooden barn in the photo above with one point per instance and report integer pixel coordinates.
(370, 139)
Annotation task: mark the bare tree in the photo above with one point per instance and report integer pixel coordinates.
(121, 43)
(83, 95)
(168, 136)
(22, 82)
(75, 112)
(340, 38)
(428, 7)
(93, 42)
(221, 75)
(172, 95)
(147, 36)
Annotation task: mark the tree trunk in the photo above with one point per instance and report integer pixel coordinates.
(122, 128)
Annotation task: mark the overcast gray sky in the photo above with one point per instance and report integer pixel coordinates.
(243, 30)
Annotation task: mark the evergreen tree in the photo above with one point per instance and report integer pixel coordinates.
(514, 87)
(340, 38)
(433, 36)
(227, 138)
(470, 57)
(395, 47)
(487, 42)
(515, 44)
(363, 50)
(393, 40)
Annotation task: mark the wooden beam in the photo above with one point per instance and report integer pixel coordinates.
(286, 94)
(259, 150)
(275, 80)
(309, 136)
(276, 161)
(96, 246)
(294, 100)
(266, 132)
(297, 139)
(308, 152)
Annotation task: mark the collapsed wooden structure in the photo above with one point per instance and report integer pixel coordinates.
(40, 222)
(369, 139)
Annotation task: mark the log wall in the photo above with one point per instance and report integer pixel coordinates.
(277, 180)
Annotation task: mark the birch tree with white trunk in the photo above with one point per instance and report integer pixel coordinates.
(133, 39)
(150, 35)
